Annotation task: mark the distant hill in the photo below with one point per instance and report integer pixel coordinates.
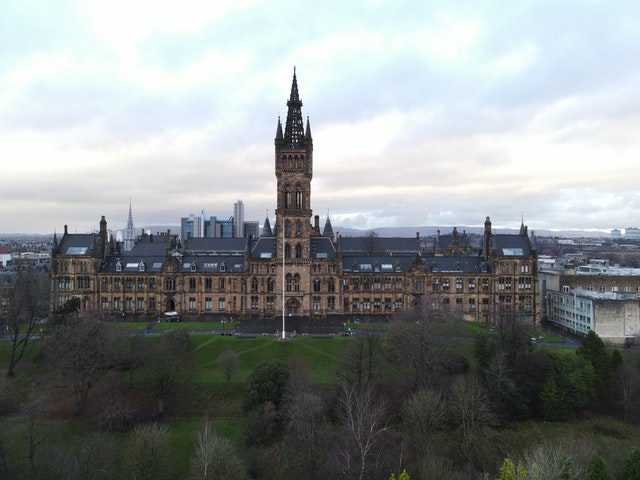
(431, 230)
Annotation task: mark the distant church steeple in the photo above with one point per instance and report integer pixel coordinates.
(129, 233)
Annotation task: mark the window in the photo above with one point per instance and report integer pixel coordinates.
(399, 304)
(271, 302)
(208, 303)
(152, 284)
(296, 282)
(316, 284)
(141, 267)
(116, 283)
(366, 304)
(288, 281)
(459, 284)
(331, 303)
(104, 303)
(485, 284)
(271, 285)
(254, 285)
(140, 303)
(128, 303)
(445, 284)
(287, 228)
(376, 304)
(287, 251)
(140, 283)
(116, 303)
(128, 283)
(287, 196)
(169, 283)
(192, 284)
(152, 304)
(104, 283)
(316, 302)
(208, 283)
(298, 228)
(223, 267)
(118, 267)
(194, 267)
(472, 284)
(221, 305)
(298, 251)
(331, 285)
(298, 198)
(254, 302)
(221, 284)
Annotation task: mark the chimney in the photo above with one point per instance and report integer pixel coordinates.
(316, 224)
(65, 230)
(418, 235)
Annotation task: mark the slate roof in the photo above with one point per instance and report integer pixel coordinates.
(377, 263)
(379, 244)
(77, 243)
(322, 247)
(146, 247)
(233, 263)
(456, 264)
(443, 241)
(216, 245)
(328, 229)
(510, 245)
(264, 247)
(152, 264)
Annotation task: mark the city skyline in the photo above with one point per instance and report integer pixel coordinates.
(438, 118)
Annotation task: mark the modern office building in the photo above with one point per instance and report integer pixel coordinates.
(238, 219)
(190, 227)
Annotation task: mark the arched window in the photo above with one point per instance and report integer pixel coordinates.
(331, 285)
(288, 282)
(287, 228)
(287, 251)
(298, 251)
(254, 285)
(298, 228)
(271, 285)
(298, 196)
(296, 282)
(287, 196)
(296, 161)
(316, 284)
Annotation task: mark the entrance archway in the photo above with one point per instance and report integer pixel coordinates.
(292, 306)
(170, 305)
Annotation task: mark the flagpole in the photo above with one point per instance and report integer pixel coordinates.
(283, 334)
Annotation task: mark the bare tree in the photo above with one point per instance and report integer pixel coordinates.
(214, 457)
(371, 243)
(363, 420)
(26, 304)
(423, 414)
(361, 363)
(148, 453)
(170, 364)
(37, 431)
(81, 354)
(229, 364)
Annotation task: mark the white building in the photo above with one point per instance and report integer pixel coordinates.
(614, 316)
(616, 234)
(631, 233)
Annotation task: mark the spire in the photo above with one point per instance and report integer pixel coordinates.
(307, 134)
(266, 228)
(55, 239)
(130, 220)
(279, 136)
(294, 130)
(328, 229)
(523, 229)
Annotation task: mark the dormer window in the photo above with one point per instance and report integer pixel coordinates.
(223, 267)
(141, 267)
(398, 269)
(194, 267)
(118, 266)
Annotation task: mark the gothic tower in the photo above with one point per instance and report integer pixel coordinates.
(129, 232)
(294, 170)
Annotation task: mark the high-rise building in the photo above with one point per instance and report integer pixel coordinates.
(251, 229)
(210, 227)
(224, 228)
(238, 219)
(190, 227)
(632, 233)
(616, 234)
(129, 233)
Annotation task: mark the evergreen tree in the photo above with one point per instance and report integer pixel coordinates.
(594, 351)
(631, 466)
(511, 471)
(597, 469)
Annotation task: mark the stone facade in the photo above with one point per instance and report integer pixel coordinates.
(321, 275)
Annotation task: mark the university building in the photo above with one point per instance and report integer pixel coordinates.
(323, 274)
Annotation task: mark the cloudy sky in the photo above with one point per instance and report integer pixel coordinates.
(423, 112)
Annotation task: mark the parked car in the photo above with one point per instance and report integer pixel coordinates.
(170, 317)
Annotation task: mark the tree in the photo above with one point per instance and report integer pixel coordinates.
(148, 453)
(631, 467)
(597, 469)
(228, 362)
(267, 383)
(403, 476)
(81, 354)
(170, 362)
(511, 471)
(361, 363)
(26, 304)
(424, 413)
(594, 351)
(553, 462)
(363, 421)
(214, 457)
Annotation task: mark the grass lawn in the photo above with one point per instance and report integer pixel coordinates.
(368, 325)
